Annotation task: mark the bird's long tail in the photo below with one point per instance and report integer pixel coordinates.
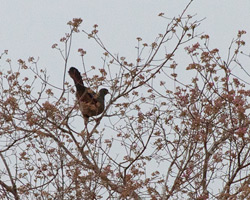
(76, 76)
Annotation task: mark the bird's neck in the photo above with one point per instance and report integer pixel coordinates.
(101, 97)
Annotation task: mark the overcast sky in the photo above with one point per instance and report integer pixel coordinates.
(30, 27)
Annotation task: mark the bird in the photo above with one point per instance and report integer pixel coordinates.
(90, 103)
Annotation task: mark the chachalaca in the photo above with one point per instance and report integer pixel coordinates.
(90, 103)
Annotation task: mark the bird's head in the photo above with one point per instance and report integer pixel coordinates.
(103, 92)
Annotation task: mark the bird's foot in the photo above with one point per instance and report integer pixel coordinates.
(97, 120)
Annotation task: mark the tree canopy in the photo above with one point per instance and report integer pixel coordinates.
(168, 131)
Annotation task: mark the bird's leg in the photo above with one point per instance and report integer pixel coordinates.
(86, 121)
(97, 120)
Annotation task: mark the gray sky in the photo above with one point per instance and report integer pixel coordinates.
(30, 27)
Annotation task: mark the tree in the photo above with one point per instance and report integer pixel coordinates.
(153, 141)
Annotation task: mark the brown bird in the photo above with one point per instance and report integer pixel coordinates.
(90, 103)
